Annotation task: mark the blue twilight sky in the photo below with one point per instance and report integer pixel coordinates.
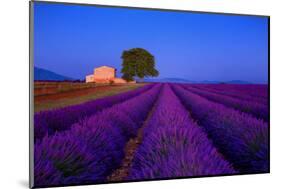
(73, 39)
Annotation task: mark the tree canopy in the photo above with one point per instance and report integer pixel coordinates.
(138, 62)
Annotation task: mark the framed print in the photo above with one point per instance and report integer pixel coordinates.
(124, 94)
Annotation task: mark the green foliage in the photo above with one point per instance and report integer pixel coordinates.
(138, 62)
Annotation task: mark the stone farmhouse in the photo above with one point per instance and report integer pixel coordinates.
(104, 74)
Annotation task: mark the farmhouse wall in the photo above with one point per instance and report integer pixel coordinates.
(104, 74)
(89, 78)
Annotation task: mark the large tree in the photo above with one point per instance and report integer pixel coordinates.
(138, 62)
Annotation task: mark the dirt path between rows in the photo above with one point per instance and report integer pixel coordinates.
(130, 149)
(123, 171)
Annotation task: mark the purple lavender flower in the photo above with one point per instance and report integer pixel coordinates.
(256, 109)
(241, 138)
(174, 146)
(93, 147)
(61, 119)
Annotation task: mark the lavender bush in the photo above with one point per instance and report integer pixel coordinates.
(256, 109)
(93, 147)
(51, 121)
(174, 146)
(251, 90)
(234, 93)
(242, 139)
(184, 134)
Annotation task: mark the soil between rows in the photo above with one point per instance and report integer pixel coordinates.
(132, 145)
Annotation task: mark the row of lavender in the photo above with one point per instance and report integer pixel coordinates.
(92, 148)
(259, 91)
(49, 122)
(174, 145)
(254, 108)
(237, 92)
(240, 137)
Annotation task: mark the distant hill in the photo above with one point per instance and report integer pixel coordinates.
(43, 74)
(237, 82)
(209, 82)
(182, 80)
(169, 80)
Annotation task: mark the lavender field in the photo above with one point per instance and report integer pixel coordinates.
(158, 131)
